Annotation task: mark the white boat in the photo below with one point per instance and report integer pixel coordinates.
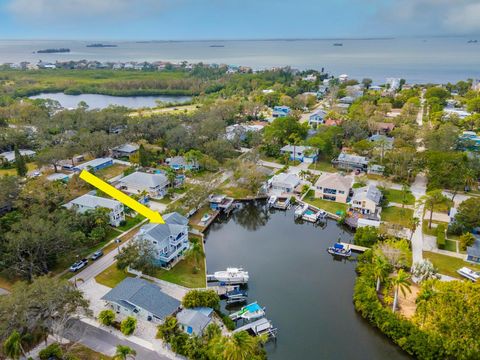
(231, 276)
(300, 209)
(271, 201)
(249, 312)
(205, 218)
(282, 203)
(469, 274)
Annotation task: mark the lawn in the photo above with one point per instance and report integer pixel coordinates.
(396, 215)
(111, 276)
(30, 166)
(396, 196)
(323, 165)
(182, 274)
(433, 230)
(79, 351)
(328, 206)
(112, 233)
(237, 192)
(111, 171)
(448, 265)
(131, 222)
(450, 245)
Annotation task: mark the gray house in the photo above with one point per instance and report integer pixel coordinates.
(154, 185)
(169, 240)
(194, 321)
(351, 162)
(142, 299)
(89, 202)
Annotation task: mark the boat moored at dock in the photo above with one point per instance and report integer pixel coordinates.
(469, 274)
(230, 276)
(279, 202)
(339, 249)
(248, 312)
(310, 213)
(259, 327)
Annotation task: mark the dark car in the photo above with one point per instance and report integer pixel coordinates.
(78, 265)
(96, 255)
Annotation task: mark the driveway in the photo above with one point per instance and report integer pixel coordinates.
(418, 189)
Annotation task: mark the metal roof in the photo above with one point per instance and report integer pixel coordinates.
(474, 250)
(10, 155)
(142, 294)
(92, 201)
(127, 148)
(145, 179)
(94, 163)
(369, 192)
(193, 318)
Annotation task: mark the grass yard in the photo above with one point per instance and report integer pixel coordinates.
(396, 196)
(396, 215)
(4, 172)
(323, 165)
(131, 222)
(236, 192)
(443, 208)
(329, 206)
(111, 171)
(79, 351)
(111, 276)
(433, 230)
(450, 245)
(182, 274)
(448, 265)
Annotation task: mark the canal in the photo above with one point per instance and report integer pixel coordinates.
(307, 294)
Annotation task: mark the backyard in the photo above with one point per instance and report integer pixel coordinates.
(328, 206)
(111, 171)
(112, 276)
(397, 215)
(448, 265)
(396, 196)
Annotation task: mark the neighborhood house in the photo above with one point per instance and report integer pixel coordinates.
(125, 150)
(194, 321)
(142, 299)
(366, 199)
(280, 111)
(284, 183)
(334, 187)
(94, 165)
(473, 252)
(180, 163)
(9, 156)
(169, 240)
(301, 153)
(89, 202)
(317, 117)
(153, 185)
(351, 162)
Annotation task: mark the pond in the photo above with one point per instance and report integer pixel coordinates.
(307, 294)
(97, 101)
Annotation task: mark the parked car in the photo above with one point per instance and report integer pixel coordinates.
(96, 255)
(78, 265)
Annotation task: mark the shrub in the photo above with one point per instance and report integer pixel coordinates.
(441, 236)
(128, 325)
(106, 317)
(52, 351)
(366, 236)
(229, 323)
(201, 298)
(466, 240)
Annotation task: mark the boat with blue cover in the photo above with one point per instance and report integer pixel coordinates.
(236, 295)
(249, 312)
(339, 249)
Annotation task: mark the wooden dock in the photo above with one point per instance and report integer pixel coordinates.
(354, 247)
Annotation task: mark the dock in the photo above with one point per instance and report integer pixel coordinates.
(354, 247)
(258, 328)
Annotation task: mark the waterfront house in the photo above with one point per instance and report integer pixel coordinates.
(194, 321)
(317, 117)
(284, 183)
(473, 252)
(153, 185)
(125, 150)
(281, 111)
(89, 202)
(94, 165)
(366, 200)
(9, 156)
(351, 162)
(142, 299)
(180, 163)
(169, 240)
(301, 153)
(220, 202)
(334, 187)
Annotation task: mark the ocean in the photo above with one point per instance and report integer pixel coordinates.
(418, 60)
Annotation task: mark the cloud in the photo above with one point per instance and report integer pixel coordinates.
(44, 11)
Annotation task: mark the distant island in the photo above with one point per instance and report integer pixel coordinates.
(101, 45)
(217, 46)
(50, 51)
(472, 41)
(337, 44)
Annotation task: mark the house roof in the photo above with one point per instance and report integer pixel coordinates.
(175, 218)
(284, 179)
(177, 160)
(474, 250)
(136, 292)
(334, 181)
(145, 179)
(343, 157)
(369, 192)
(194, 318)
(10, 155)
(93, 201)
(127, 148)
(298, 148)
(174, 225)
(93, 163)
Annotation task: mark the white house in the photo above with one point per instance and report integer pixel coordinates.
(9, 156)
(88, 202)
(169, 240)
(284, 183)
(154, 185)
(142, 299)
(334, 187)
(366, 199)
(317, 117)
(125, 150)
(301, 153)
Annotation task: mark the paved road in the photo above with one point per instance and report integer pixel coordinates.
(105, 342)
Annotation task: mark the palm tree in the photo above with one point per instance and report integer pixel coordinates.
(124, 352)
(405, 190)
(432, 199)
(381, 268)
(400, 282)
(239, 346)
(412, 225)
(12, 347)
(294, 140)
(196, 252)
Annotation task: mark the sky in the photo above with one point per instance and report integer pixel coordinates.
(235, 19)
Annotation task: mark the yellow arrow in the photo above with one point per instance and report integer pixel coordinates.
(133, 204)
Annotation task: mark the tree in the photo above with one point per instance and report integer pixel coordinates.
(367, 82)
(424, 270)
(381, 269)
(106, 317)
(196, 253)
(431, 200)
(139, 255)
(239, 346)
(366, 236)
(400, 282)
(468, 215)
(124, 352)
(143, 156)
(20, 164)
(128, 325)
(12, 347)
(473, 105)
(201, 298)
(168, 329)
(467, 239)
(395, 251)
(412, 226)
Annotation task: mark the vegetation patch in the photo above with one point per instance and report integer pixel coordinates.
(396, 215)
(448, 265)
(112, 276)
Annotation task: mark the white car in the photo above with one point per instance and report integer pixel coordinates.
(78, 265)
